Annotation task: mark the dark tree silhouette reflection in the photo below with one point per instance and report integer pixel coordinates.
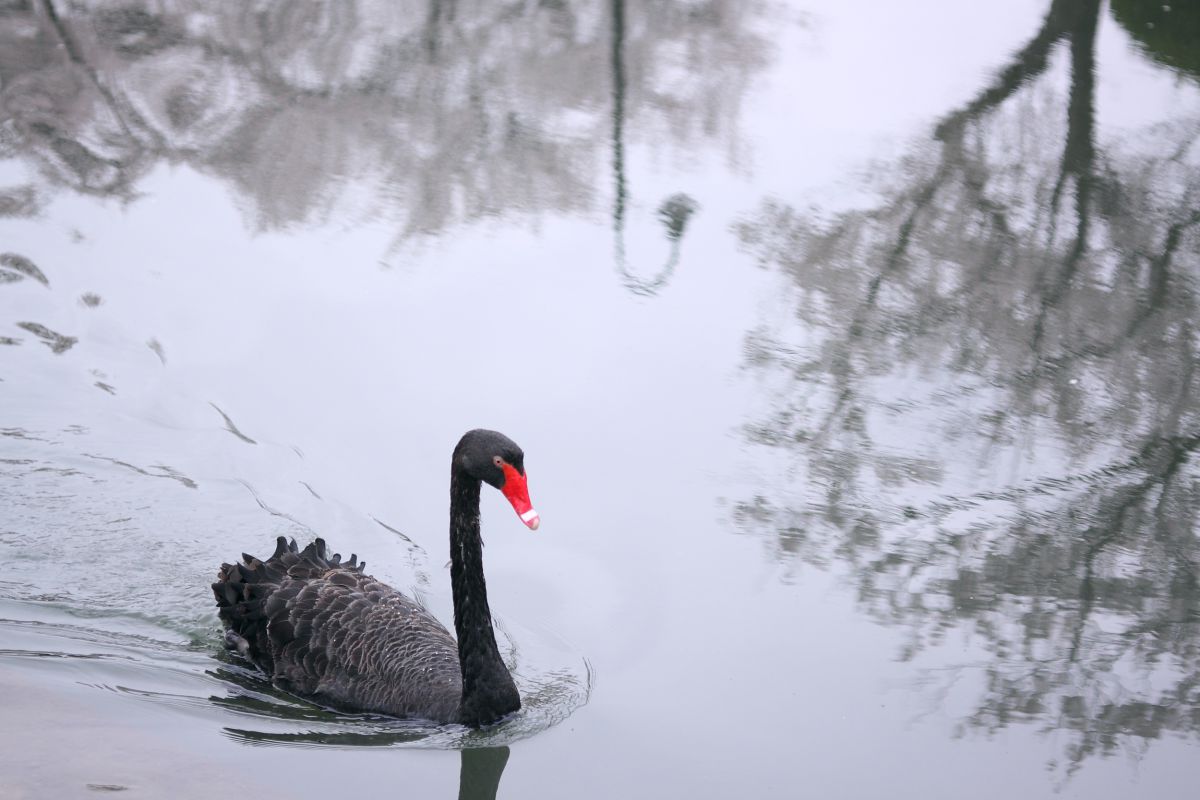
(674, 211)
(987, 388)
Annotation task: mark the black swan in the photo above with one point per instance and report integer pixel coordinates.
(322, 627)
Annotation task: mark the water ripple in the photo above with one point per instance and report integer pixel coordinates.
(200, 680)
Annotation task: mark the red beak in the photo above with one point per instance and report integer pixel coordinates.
(517, 491)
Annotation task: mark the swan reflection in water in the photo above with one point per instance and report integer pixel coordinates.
(480, 771)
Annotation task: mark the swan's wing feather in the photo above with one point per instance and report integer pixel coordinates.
(322, 627)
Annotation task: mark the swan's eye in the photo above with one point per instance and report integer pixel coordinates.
(498, 461)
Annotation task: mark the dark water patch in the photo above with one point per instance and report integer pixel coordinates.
(62, 472)
(21, 201)
(136, 33)
(57, 342)
(154, 471)
(229, 426)
(51, 654)
(1166, 32)
(19, 433)
(274, 512)
(21, 266)
(396, 531)
(357, 738)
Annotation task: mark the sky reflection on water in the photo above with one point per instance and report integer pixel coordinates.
(256, 258)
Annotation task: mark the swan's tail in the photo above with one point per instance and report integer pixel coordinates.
(243, 592)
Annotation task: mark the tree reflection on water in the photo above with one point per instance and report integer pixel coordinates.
(420, 114)
(986, 385)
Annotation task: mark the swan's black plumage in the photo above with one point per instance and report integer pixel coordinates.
(322, 627)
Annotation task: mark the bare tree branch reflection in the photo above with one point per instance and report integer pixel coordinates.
(989, 392)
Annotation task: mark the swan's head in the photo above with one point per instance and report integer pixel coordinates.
(496, 460)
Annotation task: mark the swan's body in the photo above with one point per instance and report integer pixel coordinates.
(324, 628)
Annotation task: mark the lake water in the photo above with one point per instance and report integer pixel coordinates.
(852, 347)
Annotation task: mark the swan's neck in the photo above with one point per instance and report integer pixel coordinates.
(488, 690)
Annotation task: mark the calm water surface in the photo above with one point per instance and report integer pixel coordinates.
(852, 346)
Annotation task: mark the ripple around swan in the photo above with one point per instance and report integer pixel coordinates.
(277, 718)
(192, 676)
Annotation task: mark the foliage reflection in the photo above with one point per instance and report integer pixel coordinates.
(987, 389)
